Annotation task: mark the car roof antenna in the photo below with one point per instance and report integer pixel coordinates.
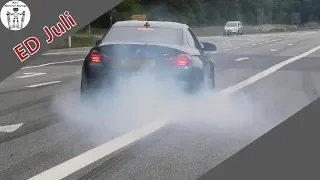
(147, 24)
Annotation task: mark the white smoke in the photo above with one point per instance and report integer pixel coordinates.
(142, 99)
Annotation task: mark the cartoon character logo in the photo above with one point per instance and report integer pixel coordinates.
(15, 15)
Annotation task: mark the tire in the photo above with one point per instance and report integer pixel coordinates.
(201, 82)
(84, 90)
(213, 80)
(87, 91)
(210, 81)
(195, 82)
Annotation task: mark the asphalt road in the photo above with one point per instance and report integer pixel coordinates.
(49, 128)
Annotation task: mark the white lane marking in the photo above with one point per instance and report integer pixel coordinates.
(267, 72)
(10, 128)
(68, 167)
(290, 44)
(254, 44)
(273, 50)
(44, 84)
(26, 75)
(59, 53)
(241, 59)
(260, 43)
(274, 40)
(245, 46)
(237, 48)
(47, 64)
(227, 50)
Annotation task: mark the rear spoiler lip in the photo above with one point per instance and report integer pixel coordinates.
(178, 47)
(137, 43)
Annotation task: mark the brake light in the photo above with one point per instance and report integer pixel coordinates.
(180, 60)
(183, 60)
(96, 58)
(145, 29)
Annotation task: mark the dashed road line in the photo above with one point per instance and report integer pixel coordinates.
(26, 75)
(274, 40)
(67, 52)
(44, 84)
(47, 64)
(10, 128)
(241, 59)
(267, 72)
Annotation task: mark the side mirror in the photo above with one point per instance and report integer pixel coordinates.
(98, 42)
(208, 46)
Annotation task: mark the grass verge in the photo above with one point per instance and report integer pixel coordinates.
(76, 42)
(93, 30)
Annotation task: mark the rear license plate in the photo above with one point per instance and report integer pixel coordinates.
(138, 63)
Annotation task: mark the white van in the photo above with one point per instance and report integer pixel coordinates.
(233, 27)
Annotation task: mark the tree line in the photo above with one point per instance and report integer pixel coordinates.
(216, 12)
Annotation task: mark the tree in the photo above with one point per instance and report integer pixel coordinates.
(201, 12)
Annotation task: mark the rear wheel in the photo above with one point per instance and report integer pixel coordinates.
(88, 89)
(200, 81)
(213, 81)
(84, 90)
(93, 90)
(195, 81)
(209, 82)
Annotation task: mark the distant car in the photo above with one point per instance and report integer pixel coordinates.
(233, 27)
(167, 49)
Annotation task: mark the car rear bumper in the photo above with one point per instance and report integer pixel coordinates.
(98, 77)
(230, 32)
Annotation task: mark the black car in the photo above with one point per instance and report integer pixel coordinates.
(168, 49)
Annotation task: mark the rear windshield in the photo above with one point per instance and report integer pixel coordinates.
(144, 35)
(231, 24)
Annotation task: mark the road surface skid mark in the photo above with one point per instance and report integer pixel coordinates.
(85, 159)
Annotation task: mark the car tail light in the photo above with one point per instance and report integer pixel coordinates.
(180, 60)
(183, 60)
(95, 57)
